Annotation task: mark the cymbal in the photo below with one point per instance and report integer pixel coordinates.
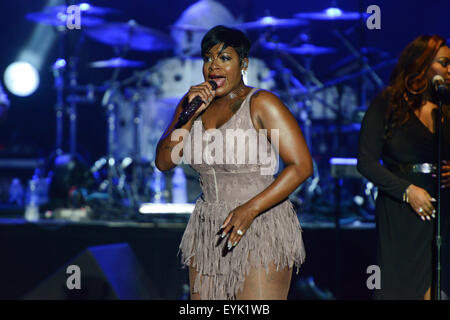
(117, 63)
(58, 18)
(271, 22)
(330, 14)
(130, 34)
(188, 27)
(85, 8)
(304, 49)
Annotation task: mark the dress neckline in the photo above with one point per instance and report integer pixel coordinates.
(234, 114)
(423, 124)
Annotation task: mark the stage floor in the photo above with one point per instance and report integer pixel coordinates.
(337, 259)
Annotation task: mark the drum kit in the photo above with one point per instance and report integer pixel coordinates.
(139, 108)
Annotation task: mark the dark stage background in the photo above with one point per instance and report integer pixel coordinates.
(336, 260)
(30, 127)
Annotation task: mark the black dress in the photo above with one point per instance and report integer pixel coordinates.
(405, 242)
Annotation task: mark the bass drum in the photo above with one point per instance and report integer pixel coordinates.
(153, 115)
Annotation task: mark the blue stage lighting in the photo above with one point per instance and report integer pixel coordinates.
(21, 78)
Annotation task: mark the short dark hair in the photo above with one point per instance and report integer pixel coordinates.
(230, 37)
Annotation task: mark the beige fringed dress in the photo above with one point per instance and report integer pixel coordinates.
(273, 237)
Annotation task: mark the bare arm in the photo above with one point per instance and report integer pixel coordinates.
(270, 113)
(164, 150)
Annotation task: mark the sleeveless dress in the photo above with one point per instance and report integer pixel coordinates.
(273, 237)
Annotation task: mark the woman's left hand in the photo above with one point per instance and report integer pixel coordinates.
(237, 224)
(445, 174)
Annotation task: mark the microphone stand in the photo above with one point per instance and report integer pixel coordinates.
(438, 205)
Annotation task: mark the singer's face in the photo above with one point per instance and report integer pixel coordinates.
(441, 64)
(222, 66)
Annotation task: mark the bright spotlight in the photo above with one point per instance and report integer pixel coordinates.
(333, 12)
(21, 78)
(84, 6)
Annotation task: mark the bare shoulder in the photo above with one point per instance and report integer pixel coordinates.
(262, 96)
(265, 105)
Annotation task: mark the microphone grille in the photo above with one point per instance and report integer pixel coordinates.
(437, 78)
(214, 84)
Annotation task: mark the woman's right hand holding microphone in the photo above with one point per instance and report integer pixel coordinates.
(203, 90)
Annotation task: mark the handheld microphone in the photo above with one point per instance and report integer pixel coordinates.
(192, 107)
(439, 85)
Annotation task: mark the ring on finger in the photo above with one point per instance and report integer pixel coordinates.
(420, 210)
(239, 232)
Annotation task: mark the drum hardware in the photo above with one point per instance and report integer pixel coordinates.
(358, 55)
(85, 8)
(271, 22)
(304, 91)
(301, 94)
(335, 14)
(113, 167)
(135, 37)
(115, 184)
(124, 175)
(352, 61)
(188, 28)
(60, 69)
(306, 49)
(131, 36)
(125, 172)
(331, 14)
(117, 62)
(124, 37)
(137, 170)
(58, 18)
(301, 111)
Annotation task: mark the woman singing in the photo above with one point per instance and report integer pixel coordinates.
(400, 129)
(243, 238)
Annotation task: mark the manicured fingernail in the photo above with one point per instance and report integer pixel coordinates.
(421, 217)
(234, 244)
(229, 245)
(433, 199)
(223, 235)
(433, 216)
(428, 218)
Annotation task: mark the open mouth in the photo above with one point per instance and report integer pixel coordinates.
(219, 80)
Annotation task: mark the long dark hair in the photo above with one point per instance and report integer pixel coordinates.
(409, 86)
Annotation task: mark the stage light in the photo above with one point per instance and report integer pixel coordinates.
(160, 208)
(21, 78)
(84, 6)
(268, 20)
(344, 161)
(333, 12)
(59, 64)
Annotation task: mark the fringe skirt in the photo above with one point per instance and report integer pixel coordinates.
(273, 237)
